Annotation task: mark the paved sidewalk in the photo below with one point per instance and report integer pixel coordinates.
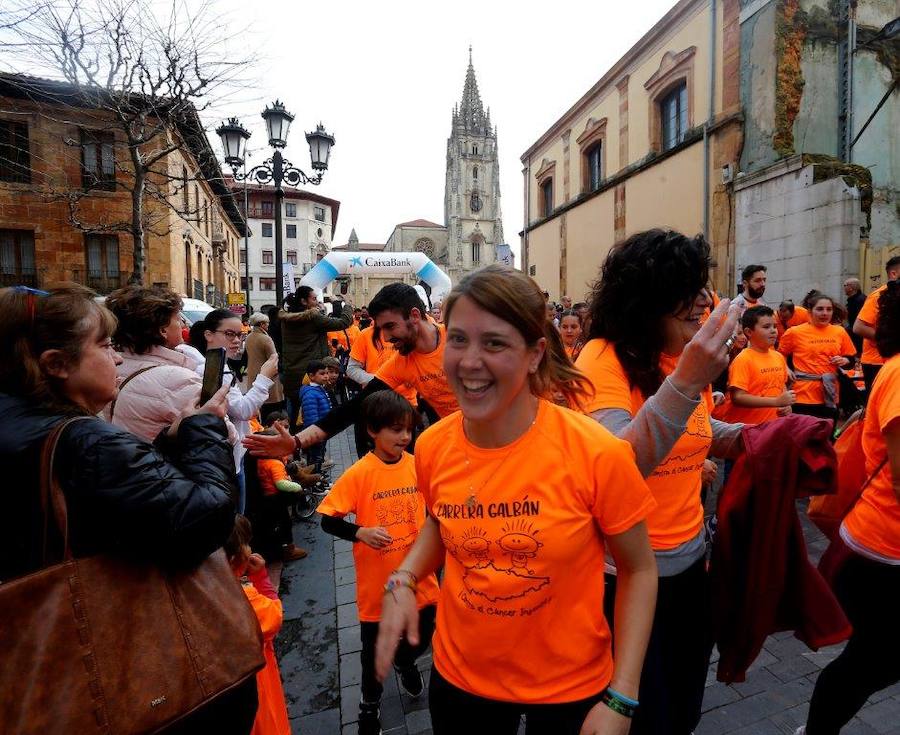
(319, 653)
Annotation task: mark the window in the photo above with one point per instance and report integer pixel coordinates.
(242, 256)
(266, 284)
(102, 260)
(17, 258)
(290, 209)
(15, 162)
(268, 257)
(475, 173)
(594, 160)
(319, 213)
(532, 270)
(476, 251)
(292, 257)
(268, 209)
(291, 231)
(319, 232)
(547, 198)
(185, 198)
(474, 150)
(244, 283)
(98, 165)
(297, 283)
(197, 204)
(267, 229)
(206, 218)
(673, 110)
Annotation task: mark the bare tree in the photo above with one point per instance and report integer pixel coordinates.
(147, 75)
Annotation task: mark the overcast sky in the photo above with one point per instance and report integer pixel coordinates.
(384, 76)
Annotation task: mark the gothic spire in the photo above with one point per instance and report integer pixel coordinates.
(471, 111)
(354, 239)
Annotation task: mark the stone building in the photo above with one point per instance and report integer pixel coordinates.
(308, 219)
(642, 148)
(812, 201)
(64, 194)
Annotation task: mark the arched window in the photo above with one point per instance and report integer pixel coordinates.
(188, 278)
(476, 251)
(185, 202)
(475, 173)
(474, 149)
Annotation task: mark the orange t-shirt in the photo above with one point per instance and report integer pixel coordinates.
(424, 374)
(521, 612)
(381, 494)
(869, 314)
(801, 316)
(352, 332)
(373, 356)
(676, 481)
(269, 472)
(762, 374)
(812, 347)
(271, 714)
(874, 522)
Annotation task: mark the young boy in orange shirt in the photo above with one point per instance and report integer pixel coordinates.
(380, 489)
(758, 376)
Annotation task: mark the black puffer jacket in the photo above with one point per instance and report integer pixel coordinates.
(170, 502)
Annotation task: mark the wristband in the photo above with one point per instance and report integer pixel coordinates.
(297, 445)
(412, 576)
(394, 584)
(619, 703)
(618, 695)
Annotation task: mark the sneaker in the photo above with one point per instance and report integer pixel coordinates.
(292, 553)
(369, 722)
(411, 681)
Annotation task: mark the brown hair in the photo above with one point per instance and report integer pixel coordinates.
(241, 535)
(36, 321)
(142, 312)
(514, 297)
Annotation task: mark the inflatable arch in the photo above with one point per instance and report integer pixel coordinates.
(379, 264)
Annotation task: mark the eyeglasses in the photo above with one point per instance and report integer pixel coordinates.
(229, 334)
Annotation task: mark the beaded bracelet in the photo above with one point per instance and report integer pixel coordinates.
(412, 576)
(619, 703)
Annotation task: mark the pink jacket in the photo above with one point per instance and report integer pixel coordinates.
(154, 399)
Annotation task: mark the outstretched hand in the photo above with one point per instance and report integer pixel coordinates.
(275, 446)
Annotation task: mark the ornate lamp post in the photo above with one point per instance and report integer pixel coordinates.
(276, 170)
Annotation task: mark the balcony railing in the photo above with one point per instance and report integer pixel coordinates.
(103, 282)
(24, 277)
(198, 290)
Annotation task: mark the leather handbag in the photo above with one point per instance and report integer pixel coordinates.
(109, 646)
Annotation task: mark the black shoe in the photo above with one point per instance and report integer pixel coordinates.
(411, 681)
(369, 722)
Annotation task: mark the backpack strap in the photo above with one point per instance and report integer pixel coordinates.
(112, 406)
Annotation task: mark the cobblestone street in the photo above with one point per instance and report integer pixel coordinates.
(319, 653)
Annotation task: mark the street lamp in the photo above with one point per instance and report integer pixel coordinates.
(276, 170)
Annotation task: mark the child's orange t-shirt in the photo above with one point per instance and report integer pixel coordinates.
(372, 357)
(763, 374)
(801, 316)
(381, 494)
(343, 335)
(874, 522)
(271, 715)
(269, 472)
(424, 374)
(812, 347)
(676, 482)
(520, 617)
(869, 314)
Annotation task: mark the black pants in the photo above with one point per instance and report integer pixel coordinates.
(869, 592)
(674, 674)
(819, 410)
(454, 711)
(404, 658)
(869, 373)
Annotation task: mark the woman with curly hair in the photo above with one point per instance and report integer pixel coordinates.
(867, 582)
(651, 364)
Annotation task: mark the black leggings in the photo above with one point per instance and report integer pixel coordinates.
(405, 656)
(870, 595)
(454, 711)
(674, 675)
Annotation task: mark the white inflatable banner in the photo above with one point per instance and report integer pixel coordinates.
(379, 264)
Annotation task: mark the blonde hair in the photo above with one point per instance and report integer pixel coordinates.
(515, 298)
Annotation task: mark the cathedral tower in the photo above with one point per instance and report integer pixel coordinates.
(472, 191)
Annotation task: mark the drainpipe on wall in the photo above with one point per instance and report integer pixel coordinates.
(851, 50)
(710, 115)
(526, 265)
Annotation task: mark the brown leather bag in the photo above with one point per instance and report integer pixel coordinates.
(104, 645)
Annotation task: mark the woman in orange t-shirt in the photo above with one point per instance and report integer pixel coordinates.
(570, 327)
(524, 499)
(867, 582)
(816, 350)
(651, 364)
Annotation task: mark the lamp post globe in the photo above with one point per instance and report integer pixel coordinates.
(320, 143)
(278, 122)
(234, 138)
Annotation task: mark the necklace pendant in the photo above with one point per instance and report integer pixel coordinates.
(470, 502)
